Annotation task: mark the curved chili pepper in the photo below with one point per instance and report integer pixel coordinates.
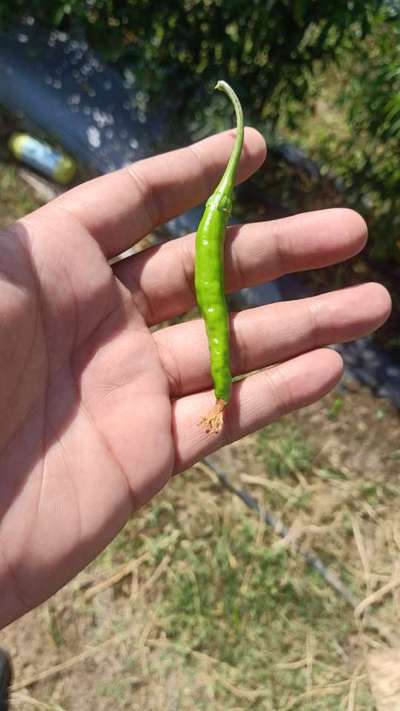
(209, 273)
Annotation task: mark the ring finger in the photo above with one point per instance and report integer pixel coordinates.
(270, 334)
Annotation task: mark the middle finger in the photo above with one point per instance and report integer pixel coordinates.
(161, 278)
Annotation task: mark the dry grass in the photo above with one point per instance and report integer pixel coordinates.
(17, 198)
(196, 605)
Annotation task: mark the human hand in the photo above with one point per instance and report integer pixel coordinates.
(97, 410)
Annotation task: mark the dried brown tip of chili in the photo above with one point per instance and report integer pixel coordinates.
(213, 422)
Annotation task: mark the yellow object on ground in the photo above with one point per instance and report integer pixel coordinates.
(56, 164)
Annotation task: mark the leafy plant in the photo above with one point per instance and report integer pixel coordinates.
(179, 47)
(284, 450)
(271, 51)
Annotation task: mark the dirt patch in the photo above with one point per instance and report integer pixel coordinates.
(384, 675)
(187, 608)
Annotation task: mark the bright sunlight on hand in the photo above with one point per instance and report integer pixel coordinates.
(97, 411)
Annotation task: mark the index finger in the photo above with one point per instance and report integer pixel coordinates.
(120, 208)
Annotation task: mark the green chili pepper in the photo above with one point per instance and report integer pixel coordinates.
(209, 273)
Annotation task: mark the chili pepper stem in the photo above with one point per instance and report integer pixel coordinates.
(213, 422)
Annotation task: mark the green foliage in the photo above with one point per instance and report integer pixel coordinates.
(356, 133)
(17, 199)
(270, 51)
(240, 602)
(283, 449)
(335, 408)
(266, 48)
(372, 101)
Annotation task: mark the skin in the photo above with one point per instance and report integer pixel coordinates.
(209, 274)
(97, 408)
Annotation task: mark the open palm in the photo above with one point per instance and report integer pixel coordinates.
(98, 409)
